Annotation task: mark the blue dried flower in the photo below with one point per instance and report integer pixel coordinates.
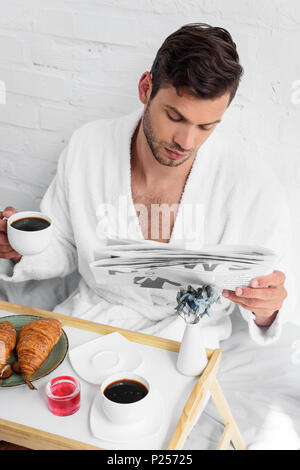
(195, 303)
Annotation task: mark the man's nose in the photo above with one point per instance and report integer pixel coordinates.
(185, 138)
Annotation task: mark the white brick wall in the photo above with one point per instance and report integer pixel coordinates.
(66, 62)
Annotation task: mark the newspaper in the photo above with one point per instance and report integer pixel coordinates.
(160, 266)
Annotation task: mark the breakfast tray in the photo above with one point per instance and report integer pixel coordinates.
(34, 437)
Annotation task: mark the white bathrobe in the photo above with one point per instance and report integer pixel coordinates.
(243, 201)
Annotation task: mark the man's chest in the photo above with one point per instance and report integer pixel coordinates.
(156, 209)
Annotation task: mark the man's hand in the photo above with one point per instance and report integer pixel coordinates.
(6, 250)
(264, 298)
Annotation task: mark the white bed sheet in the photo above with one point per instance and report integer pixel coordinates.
(262, 387)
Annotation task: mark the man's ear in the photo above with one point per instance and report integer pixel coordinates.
(145, 87)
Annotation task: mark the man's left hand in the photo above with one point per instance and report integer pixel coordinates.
(264, 298)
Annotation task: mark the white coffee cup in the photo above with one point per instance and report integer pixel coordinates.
(126, 413)
(25, 242)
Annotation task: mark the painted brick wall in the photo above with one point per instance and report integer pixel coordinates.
(65, 62)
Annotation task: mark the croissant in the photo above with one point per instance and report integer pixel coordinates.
(8, 337)
(35, 342)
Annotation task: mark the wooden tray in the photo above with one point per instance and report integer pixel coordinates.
(38, 439)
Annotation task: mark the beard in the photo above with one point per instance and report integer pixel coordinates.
(156, 147)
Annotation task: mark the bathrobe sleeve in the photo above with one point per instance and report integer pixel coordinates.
(268, 222)
(60, 258)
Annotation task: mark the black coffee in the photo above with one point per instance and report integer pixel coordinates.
(125, 391)
(30, 224)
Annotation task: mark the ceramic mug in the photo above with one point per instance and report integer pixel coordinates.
(29, 242)
(126, 413)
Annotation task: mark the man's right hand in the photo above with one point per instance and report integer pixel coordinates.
(6, 250)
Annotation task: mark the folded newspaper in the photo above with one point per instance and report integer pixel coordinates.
(161, 266)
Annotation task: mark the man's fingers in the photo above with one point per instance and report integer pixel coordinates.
(8, 211)
(258, 293)
(3, 239)
(3, 225)
(5, 249)
(261, 312)
(10, 254)
(252, 303)
(274, 279)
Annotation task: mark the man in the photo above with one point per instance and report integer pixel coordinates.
(161, 156)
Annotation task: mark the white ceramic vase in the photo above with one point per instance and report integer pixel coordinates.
(192, 357)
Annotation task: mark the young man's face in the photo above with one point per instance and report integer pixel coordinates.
(176, 126)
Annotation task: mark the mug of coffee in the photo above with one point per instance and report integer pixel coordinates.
(29, 232)
(126, 398)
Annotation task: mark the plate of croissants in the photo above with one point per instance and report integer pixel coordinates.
(30, 348)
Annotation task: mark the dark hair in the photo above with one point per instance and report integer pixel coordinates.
(199, 57)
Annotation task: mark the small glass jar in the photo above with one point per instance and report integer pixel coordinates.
(63, 395)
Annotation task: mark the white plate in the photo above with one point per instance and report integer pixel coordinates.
(104, 429)
(109, 354)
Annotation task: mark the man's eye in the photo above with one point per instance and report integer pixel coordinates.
(206, 128)
(172, 119)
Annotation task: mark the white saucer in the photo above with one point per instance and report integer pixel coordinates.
(104, 429)
(104, 356)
